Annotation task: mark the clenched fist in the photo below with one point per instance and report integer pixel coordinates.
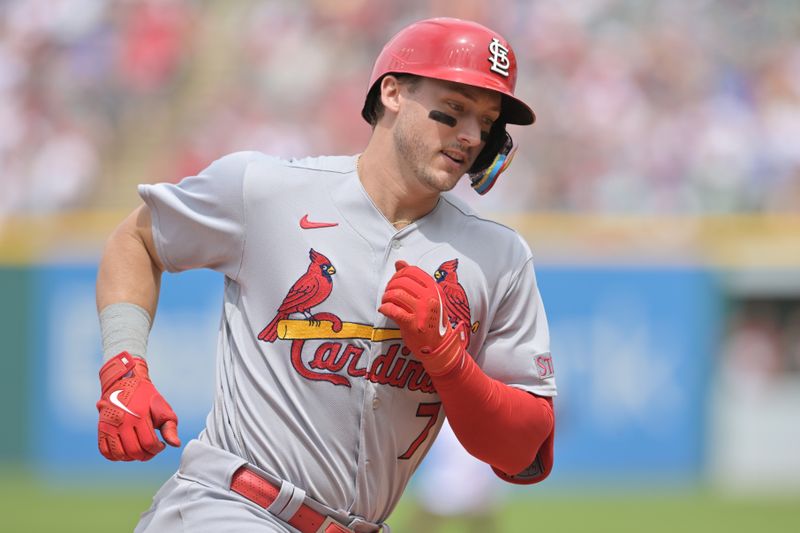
(130, 410)
(415, 302)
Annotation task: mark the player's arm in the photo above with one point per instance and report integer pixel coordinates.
(130, 269)
(501, 425)
(130, 408)
(508, 428)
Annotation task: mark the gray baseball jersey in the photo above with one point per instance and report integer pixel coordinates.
(314, 385)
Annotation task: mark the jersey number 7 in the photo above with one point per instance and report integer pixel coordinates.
(431, 410)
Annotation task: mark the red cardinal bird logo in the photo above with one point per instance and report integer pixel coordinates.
(310, 290)
(456, 300)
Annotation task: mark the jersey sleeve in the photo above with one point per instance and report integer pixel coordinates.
(517, 353)
(200, 222)
(517, 347)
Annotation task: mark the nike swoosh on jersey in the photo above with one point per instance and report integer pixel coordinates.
(114, 398)
(307, 224)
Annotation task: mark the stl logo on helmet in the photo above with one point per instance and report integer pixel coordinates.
(499, 58)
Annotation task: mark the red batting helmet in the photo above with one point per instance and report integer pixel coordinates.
(452, 50)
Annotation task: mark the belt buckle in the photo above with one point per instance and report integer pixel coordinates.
(329, 525)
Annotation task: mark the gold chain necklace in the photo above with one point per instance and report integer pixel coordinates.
(404, 221)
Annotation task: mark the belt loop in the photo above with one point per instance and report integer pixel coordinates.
(289, 500)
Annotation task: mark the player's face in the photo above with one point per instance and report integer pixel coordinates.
(440, 129)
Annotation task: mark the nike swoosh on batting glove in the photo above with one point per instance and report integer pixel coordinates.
(415, 302)
(130, 410)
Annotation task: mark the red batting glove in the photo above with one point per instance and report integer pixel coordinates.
(130, 410)
(414, 301)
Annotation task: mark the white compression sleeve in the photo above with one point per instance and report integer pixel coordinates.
(124, 328)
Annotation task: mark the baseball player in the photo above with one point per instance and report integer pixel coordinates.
(362, 305)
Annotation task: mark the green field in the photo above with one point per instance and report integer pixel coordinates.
(26, 506)
(634, 512)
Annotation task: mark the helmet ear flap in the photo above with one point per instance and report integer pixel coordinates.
(493, 159)
(494, 143)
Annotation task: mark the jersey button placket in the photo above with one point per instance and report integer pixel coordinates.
(396, 244)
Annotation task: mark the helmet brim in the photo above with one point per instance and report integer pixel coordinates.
(514, 110)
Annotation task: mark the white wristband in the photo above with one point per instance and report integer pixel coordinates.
(124, 328)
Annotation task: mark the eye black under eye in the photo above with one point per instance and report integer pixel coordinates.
(484, 136)
(444, 118)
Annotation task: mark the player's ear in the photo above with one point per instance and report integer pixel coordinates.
(390, 93)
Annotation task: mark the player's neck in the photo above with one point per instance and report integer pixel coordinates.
(394, 196)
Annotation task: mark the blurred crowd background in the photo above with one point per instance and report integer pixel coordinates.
(659, 188)
(686, 106)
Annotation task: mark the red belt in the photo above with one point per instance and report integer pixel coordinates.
(258, 490)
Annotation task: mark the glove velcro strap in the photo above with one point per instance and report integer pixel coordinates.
(119, 365)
